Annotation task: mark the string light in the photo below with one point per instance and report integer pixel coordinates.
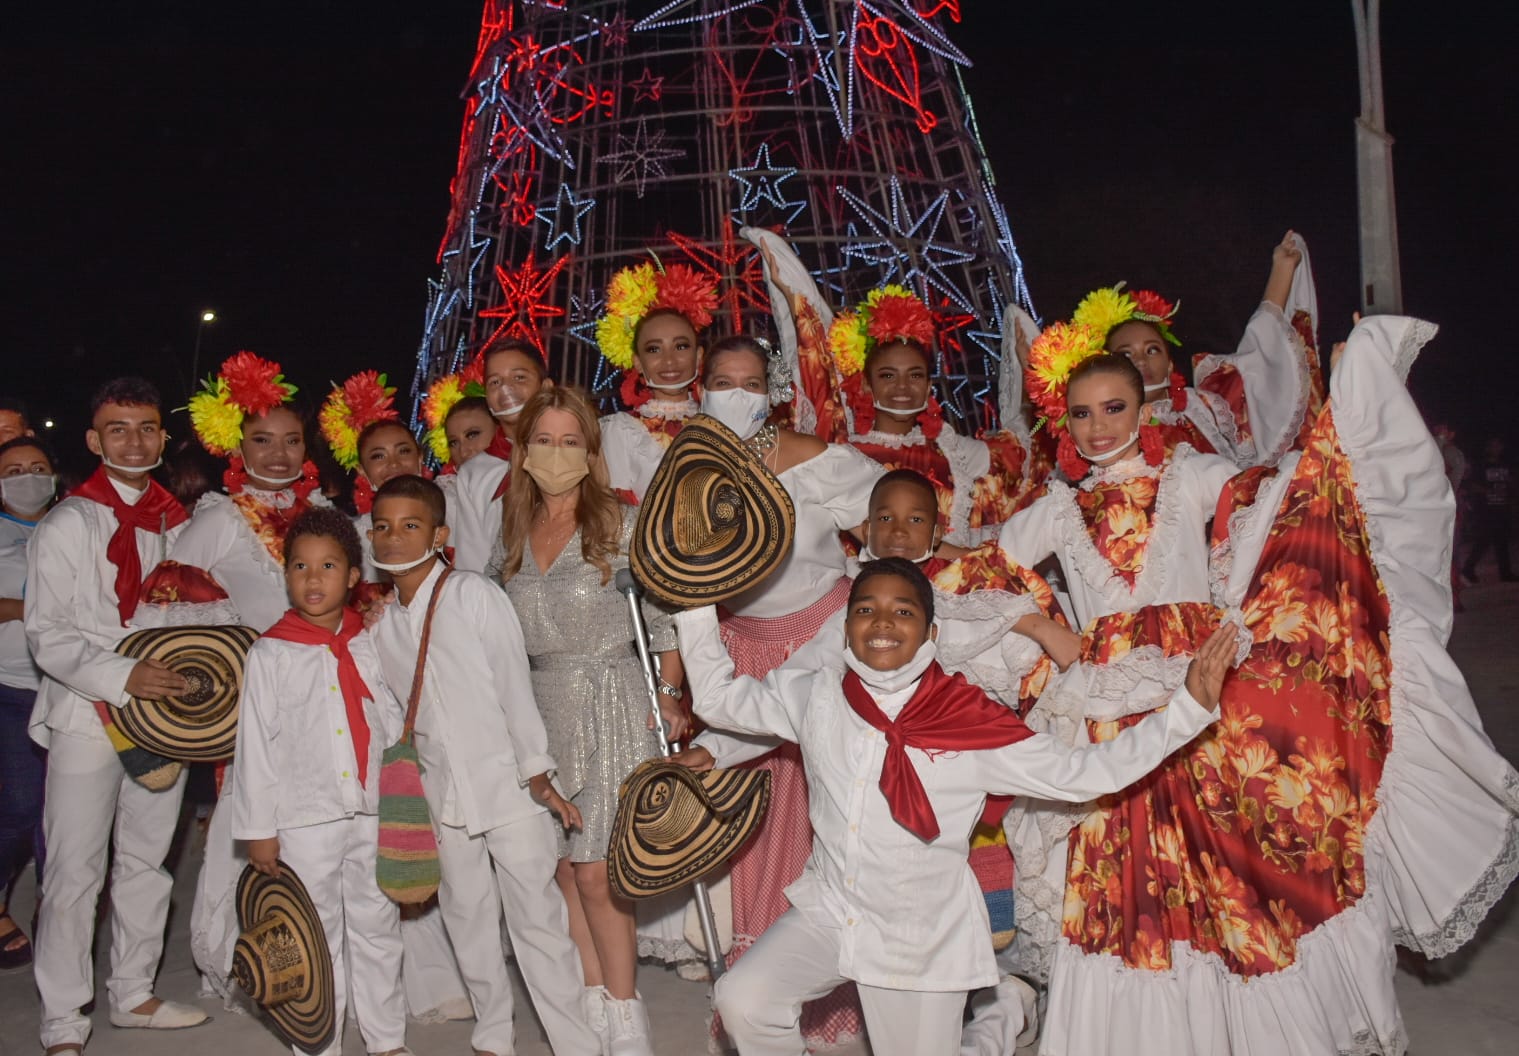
(641, 156)
(564, 217)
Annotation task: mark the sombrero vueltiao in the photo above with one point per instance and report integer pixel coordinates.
(281, 958)
(714, 521)
(201, 723)
(674, 825)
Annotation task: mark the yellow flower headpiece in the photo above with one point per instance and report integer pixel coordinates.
(1109, 307)
(887, 314)
(349, 408)
(635, 292)
(442, 396)
(246, 386)
(1060, 349)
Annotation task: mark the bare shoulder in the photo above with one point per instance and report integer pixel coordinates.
(796, 448)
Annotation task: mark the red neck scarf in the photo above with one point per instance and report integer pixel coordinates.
(945, 714)
(157, 511)
(501, 447)
(292, 627)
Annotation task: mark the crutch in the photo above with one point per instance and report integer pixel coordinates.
(629, 587)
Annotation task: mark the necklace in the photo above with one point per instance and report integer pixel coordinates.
(765, 442)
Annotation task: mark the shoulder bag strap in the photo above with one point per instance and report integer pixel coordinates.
(416, 678)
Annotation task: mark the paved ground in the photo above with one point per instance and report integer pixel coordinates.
(1463, 1006)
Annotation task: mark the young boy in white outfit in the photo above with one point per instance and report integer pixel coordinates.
(86, 562)
(314, 719)
(899, 759)
(484, 754)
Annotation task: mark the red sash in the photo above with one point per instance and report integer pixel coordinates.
(292, 627)
(946, 714)
(157, 511)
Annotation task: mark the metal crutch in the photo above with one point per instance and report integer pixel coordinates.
(629, 587)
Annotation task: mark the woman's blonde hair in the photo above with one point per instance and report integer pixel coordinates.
(598, 511)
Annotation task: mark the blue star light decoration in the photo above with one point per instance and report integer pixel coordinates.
(563, 217)
(761, 182)
(641, 156)
(897, 229)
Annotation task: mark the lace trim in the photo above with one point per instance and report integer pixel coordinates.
(961, 452)
(669, 951)
(1414, 338)
(262, 559)
(1120, 472)
(1289, 436)
(912, 438)
(1094, 569)
(671, 409)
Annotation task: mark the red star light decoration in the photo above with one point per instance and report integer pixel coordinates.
(730, 259)
(524, 301)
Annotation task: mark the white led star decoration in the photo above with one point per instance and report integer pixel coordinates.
(641, 156)
(761, 182)
(563, 217)
(906, 244)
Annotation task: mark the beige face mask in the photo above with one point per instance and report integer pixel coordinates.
(556, 469)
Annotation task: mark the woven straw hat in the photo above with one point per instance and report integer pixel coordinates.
(201, 723)
(281, 958)
(674, 826)
(714, 522)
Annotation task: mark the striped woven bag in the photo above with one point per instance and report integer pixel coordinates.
(991, 862)
(407, 867)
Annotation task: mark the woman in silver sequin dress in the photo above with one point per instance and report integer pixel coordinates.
(565, 534)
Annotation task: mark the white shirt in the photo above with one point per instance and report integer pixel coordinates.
(16, 667)
(474, 515)
(831, 492)
(478, 732)
(1176, 557)
(72, 623)
(218, 540)
(630, 451)
(295, 751)
(912, 913)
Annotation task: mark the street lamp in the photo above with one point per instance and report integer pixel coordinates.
(206, 316)
(1381, 278)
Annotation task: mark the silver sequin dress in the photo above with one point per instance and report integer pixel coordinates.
(587, 679)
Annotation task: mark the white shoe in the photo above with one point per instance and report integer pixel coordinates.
(593, 1004)
(169, 1015)
(629, 1027)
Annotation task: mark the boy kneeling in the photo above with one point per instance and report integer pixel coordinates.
(900, 758)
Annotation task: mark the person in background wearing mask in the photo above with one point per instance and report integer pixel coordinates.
(28, 487)
(86, 561)
(564, 536)
(652, 332)
(830, 487)
(513, 373)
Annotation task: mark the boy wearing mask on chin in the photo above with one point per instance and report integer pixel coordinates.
(900, 758)
(86, 563)
(514, 372)
(485, 771)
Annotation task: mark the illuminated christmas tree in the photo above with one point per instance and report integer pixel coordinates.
(598, 132)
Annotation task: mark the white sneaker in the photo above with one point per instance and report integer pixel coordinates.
(593, 1004)
(629, 1027)
(169, 1015)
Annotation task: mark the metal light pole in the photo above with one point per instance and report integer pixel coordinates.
(206, 316)
(1381, 278)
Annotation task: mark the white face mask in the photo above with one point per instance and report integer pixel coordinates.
(404, 566)
(739, 409)
(866, 554)
(28, 492)
(895, 680)
(1103, 460)
(902, 412)
(132, 469)
(509, 413)
(279, 482)
(670, 387)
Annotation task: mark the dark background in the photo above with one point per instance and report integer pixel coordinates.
(288, 164)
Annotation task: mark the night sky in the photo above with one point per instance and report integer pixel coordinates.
(288, 165)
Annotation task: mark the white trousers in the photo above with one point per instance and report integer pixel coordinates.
(213, 914)
(514, 863)
(91, 802)
(797, 960)
(430, 972)
(336, 862)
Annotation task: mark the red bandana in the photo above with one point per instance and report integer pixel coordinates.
(945, 714)
(501, 447)
(157, 511)
(292, 627)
